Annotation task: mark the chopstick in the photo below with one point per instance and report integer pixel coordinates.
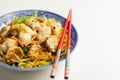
(67, 62)
(55, 65)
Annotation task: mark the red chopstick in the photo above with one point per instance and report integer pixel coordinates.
(55, 65)
(67, 62)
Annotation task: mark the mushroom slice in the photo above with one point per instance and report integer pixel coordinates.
(52, 43)
(14, 54)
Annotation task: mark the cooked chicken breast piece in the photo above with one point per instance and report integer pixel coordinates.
(24, 28)
(44, 33)
(4, 31)
(37, 54)
(34, 51)
(14, 54)
(56, 27)
(8, 43)
(52, 43)
(25, 37)
(34, 24)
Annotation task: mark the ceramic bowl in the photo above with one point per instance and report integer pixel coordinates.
(7, 18)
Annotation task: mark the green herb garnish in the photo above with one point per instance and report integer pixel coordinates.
(23, 19)
(25, 49)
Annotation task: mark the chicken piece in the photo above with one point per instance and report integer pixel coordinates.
(25, 38)
(44, 33)
(24, 28)
(5, 31)
(34, 51)
(37, 54)
(7, 44)
(18, 40)
(42, 39)
(14, 54)
(58, 27)
(34, 24)
(45, 30)
(55, 26)
(52, 43)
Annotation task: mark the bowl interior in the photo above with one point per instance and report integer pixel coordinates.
(5, 19)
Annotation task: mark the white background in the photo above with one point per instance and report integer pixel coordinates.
(97, 55)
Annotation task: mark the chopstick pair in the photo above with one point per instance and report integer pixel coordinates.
(55, 65)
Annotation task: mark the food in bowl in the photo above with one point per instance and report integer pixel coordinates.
(30, 41)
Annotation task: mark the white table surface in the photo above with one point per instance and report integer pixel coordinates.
(97, 55)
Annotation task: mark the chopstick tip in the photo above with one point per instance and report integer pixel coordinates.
(52, 77)
(70, 14)
(66, 78)
(70, 10)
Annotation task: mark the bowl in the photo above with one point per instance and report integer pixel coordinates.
(7, 18)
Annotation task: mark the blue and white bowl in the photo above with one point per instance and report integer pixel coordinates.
(5, 19)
